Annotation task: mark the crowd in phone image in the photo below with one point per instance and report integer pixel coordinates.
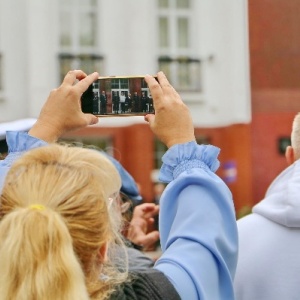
(122, 102)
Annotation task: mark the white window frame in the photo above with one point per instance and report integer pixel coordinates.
(75, 55)
(1, 78)
(172, 57)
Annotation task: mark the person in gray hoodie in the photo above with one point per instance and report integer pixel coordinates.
(269, 238)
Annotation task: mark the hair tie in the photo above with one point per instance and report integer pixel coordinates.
(37, 207)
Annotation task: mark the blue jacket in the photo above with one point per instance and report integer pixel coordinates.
(197, 221)
(18, 142)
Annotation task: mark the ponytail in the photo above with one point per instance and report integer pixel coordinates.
(37, 260)
(53, 250)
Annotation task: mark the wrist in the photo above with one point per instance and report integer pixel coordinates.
(44, 132)
(174, 142)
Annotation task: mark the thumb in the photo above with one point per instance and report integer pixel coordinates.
(91, 119)
(149, 118)
(150, 238)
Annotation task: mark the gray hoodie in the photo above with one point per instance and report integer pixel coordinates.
(269, 243)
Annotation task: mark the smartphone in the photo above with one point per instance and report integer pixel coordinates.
(118, 96)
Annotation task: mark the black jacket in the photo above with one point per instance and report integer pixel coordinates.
(147, 285)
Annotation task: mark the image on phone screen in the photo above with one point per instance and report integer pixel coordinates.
(118, 96)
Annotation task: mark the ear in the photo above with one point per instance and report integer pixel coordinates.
(290, 155)
(103, 252)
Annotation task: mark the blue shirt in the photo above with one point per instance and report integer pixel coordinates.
(197, 224)
(18, 142)
(197, 220)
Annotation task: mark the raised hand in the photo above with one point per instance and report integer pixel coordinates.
(62, 111)
(172, 122)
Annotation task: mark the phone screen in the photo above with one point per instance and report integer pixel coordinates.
(118, 96)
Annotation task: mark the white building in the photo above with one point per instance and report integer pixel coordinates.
(202, 46)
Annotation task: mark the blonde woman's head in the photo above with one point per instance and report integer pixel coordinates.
(56, 198)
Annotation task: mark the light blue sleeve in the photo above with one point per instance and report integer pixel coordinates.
(18, 142)
(197, 225)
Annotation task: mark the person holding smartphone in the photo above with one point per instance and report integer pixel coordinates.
(198, 231)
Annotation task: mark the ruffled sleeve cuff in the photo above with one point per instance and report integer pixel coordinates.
(183, 157)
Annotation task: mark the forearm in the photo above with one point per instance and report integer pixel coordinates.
(45, 131)
(197, 226)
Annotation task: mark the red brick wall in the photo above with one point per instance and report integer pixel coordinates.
(274, 43)
(234, 142)
(268, 162)
(275, 78)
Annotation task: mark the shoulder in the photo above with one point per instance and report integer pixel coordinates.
(149, 284)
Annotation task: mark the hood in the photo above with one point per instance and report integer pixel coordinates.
(282, 201)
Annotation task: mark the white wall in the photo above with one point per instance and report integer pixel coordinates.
(224, 36)
(128, 36)
(42, 53)
(14, 65)
(128, 42)
(28, 47)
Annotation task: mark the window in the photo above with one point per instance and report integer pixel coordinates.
(119, 83)
(144, 84)
(159, 150)
(78, 40)
(1, 78)
(1, 87)
(87, 62)
(176, 59)
(202, 140)
(124, 83)
(283, 143)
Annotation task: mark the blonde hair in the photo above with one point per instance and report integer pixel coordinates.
(54, 220)
(295, 136)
